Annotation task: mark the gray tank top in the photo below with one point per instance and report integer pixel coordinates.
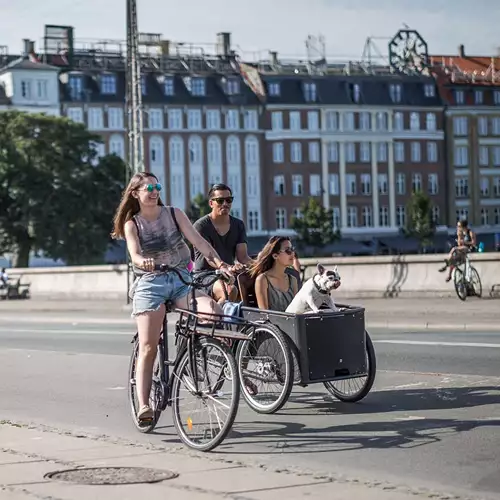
(161, 240)
(276, 298)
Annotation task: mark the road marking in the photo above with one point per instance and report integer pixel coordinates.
(64, 331)
(450, 344)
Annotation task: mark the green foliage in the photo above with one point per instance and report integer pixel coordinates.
(199, 208)
(53, 196)
(315, 227)
(419, 223)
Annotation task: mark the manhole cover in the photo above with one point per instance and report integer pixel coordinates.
(111, 475)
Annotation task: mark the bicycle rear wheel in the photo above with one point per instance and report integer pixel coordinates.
(475, 282)
(459, 282)
(218, 395)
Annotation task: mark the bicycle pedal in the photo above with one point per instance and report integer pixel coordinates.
(170, 363)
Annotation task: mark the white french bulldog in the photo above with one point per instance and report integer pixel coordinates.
(315, 292)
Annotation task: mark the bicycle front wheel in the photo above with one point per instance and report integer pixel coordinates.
(204, 415)
(459, 282)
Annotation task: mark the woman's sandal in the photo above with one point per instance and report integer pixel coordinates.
(145, 415)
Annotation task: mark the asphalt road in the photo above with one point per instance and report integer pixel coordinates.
(431, 420)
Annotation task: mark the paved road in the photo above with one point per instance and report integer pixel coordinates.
(431, 420)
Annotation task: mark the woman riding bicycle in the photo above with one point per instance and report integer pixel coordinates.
(155, 235)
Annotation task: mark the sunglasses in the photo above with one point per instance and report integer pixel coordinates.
(220, 201)
(288, 251)
(151, 187)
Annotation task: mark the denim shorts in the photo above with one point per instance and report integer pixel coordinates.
(152, 290)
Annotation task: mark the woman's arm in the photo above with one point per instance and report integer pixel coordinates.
(134, 248)
(197, 240)
(261, 292)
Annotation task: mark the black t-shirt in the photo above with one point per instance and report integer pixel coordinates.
(225, 245)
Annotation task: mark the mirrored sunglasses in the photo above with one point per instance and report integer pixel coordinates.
(151, 187)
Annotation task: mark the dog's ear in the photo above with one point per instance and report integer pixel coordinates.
(320, 268)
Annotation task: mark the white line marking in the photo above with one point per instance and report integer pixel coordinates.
(450, 344)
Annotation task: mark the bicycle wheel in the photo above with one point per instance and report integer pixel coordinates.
(341, 388)
(213, 362)
(475, 282)
(459, 282)
(265, 358)
(155, 396)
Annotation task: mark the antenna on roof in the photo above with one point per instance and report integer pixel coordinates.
(316, 54)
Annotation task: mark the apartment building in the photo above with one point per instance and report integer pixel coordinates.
(470, 88)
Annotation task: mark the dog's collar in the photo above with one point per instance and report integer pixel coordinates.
(324, 292)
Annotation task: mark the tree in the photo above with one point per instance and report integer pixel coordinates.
(315, 226)
(199, 208)
(55, 197)
(419, 223)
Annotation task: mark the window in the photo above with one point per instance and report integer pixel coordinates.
(251, 151)
(273, 89)
(333, 184)
(398, 122)
(235, 212)
(156, 119)
(232, 86)
(401, 184)
(213, 119)
(496, 187)
(364, 152)
(429, 90)
(462, 187)
(496, 213)
(482, 126)
(75, 114)
(195, 146)
(95, 119)
(433, 184)
(350, 184)
(432, 152)
(313, 121)
(478, 96)
(233, 150)
(250, 119)
(356, 93)
(366, 184)
(214, 151)
(495, 126)
(485, 186)
(350, 152)
(400, 216)
(416, 183)
(430, 121)
(435, 214)
(295, 120)
(460, 125)
(117, 145)
(156, 156)
(108, 84)
(414, 121)
(194, 119)
(332, 121)
(462, 213)
(384, 216)
(280, 218)
(461, 156)
(415, 152)
(279, 185)
(459, 97)
(278, 152)
(496, 156)
(234, 182)
(395, 92)
(484, 217)
(253, 220)
(175, 119)
(144, 85)
(382, 152)
(315, 185)
(333, 152)
(352, 217)
(297, 185)
(296, 152)
(277, 120)
(168, 87)
(399, 152)
(177, 186)
(75, 84)
(310, 92)
(115, 118)
(252, 186)
(484, 159)
(383, 184)
(232, 119)
(366, 214)
(349, 122)
(41, 90)
(176, 149)
(297, 213)
(381, 121)
(196, 86)
(336, 218)
(496, 97)
(314, 152)
(364, 121)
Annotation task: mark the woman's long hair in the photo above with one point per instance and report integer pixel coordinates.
(265, 260)
(129, 206)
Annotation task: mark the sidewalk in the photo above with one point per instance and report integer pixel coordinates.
(28, 454)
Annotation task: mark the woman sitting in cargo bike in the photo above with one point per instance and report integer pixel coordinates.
(328, 347)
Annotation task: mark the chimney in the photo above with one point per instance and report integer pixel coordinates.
(461, 50)
(274, 58)
(223, 44)
(26, 46)
(31, 46)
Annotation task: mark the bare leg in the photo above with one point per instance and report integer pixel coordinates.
(149, 327)
(219, 294)
(204, 304)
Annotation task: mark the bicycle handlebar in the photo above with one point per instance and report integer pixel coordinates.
(197, 281)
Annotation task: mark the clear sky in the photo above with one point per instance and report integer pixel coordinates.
(281, 25)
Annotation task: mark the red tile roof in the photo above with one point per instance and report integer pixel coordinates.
(480, 70)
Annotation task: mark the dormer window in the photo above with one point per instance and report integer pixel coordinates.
(478, 96)
(310, 92)
(75, 85)
(429, 90)
(232, 86)
(195, 85)
(274, 89)
(459, 97)
(395, 91)
(355, 91)
(108, 84)
(144, 88)
(168, 86)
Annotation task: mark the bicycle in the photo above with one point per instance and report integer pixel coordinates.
(467, 281)
(191, 372)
